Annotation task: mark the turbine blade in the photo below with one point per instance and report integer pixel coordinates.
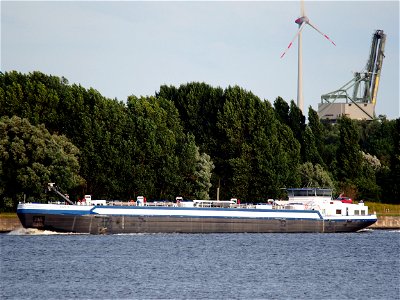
(323, 34)
(291, 42)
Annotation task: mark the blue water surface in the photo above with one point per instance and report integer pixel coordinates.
(363, 265)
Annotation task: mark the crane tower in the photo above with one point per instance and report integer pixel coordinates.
(357, 98)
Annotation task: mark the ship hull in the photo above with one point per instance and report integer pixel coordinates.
(111, 224)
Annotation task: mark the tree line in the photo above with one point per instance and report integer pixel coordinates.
(183, 141)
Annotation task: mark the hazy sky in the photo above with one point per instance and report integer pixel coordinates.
(122, 48)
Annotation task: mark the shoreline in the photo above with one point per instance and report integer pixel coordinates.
(386, 222)
(9, 223)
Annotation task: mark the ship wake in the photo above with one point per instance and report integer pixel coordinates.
(34, 231)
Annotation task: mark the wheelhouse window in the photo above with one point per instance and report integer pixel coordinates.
(356, 212)
(324, 192)
(307, 192)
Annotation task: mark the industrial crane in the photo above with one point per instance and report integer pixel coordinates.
(360, 104)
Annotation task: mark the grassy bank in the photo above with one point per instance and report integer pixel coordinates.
(8, 215)
(383, 209)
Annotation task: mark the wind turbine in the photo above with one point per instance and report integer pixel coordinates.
(302, 22)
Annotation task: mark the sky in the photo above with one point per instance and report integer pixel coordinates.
(123, 48)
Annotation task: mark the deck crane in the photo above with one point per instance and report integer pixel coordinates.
(360, 104)
(53, 188)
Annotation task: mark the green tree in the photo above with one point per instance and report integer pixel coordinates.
(282, 110)
(331, 142)
(259, 151)
(198, 105)
(349, 159)
(202, 175)
(310, 151)
(376, 138)
(315, 176)
(160, 148)
(297, 122)
(30, 157)
(318, 132)
(394, 195)
(237, 122)
(367, 186)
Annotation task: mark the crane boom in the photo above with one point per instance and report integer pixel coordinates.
(375, 63)
(52, 187)
(364, 87)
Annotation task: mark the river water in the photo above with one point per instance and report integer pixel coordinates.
(363, 265)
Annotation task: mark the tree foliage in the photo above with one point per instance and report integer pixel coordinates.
(203, 173)
(164, 157)
(30, 157)
(348, 153)
(185, 141)
(315, 176)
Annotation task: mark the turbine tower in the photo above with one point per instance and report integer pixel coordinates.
(302, 22)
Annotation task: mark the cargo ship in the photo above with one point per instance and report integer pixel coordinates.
(306, 210)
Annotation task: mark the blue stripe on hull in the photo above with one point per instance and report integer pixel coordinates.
(183, 209)
(54, 212)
